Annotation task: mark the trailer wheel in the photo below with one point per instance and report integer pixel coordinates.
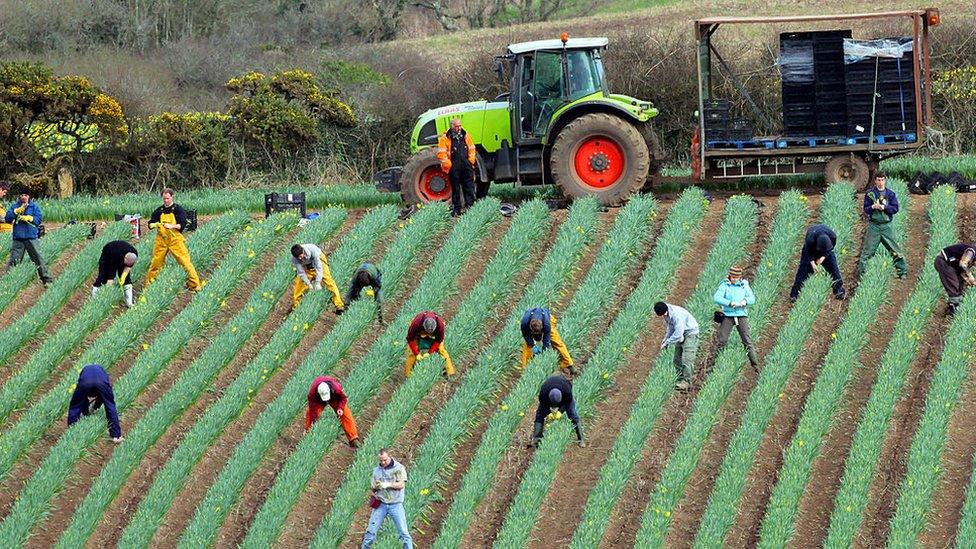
(848, 167)
(423, 180)
(600, 155)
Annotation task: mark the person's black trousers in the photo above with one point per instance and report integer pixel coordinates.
(462, 187)
(805, 270)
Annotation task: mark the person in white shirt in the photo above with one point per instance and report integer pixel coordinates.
(309, 261)
(682, 332)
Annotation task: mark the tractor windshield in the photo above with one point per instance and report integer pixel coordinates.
(545, 85)
(584, 74)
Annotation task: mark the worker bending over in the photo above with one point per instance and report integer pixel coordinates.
(115, 264)
(327, 390)
(954, 264)
(426, 336)
(94, 389)
(370, 278)
(682, 332)
(556, 393)
(818, 250)
(539, 333)
(169, 220)
(310, 264)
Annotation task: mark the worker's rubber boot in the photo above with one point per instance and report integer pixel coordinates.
(355, 443)
(579, 436)
(536, 435)
(127, 290)
(95, 290)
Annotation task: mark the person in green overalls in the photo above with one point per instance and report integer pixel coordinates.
(881, 205)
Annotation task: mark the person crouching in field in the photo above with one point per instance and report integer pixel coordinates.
(556, 393)
(169, 221)
(818, 250)
(367, 277)
(682, 332)
(426, 336)
(94, 389)
(327, 390)
(954, 264)
(539, 333)
(310, 264)
(115, 264)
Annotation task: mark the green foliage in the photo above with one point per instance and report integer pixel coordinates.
(737, 231)
(52, 246)
(862, 459)
(344, 73)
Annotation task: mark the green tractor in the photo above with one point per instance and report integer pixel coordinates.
(558, 124)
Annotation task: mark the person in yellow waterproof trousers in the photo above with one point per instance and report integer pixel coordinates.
(169, 220)
(312, 270)
(539, 333)
(425, 336)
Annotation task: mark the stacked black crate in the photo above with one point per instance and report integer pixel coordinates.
(886, 86)
(799, 91)
(716, 116)
(831, 93)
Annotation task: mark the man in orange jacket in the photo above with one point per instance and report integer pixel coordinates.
(327, 390)
(456, 152)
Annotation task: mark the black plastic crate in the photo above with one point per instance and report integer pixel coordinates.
(279, 202)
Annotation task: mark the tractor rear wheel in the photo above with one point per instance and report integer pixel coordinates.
(848, 167)
(600, 155)
(423, 180)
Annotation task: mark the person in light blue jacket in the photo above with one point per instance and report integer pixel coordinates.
(735, 296)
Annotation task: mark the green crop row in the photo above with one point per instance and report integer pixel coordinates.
(265, 528)
(966, 534)
(629, 233)
(737, 231)
(40, 312)
(591, 301)
(438, 282)
(210, 202)
(113, 342)
(69, 335)
(238, 395)
(48, 479)
(52, 246)
(836, 211)
(771, 274)
(924, 456)
(490, 292)
(906, 166)
(861, 464)
(191, 383)
(828, 392)
(480, 383)
(657, 278)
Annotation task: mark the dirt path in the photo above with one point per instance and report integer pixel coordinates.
(626, 516)
(687, 516)
(816, 506)
(88, 470)
(116, 518)
(312, 504)
(769, 457)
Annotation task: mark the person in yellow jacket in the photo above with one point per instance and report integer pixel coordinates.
(539, 333)
(312, 270)
(169, 220)
(457, 155)
(4, 226)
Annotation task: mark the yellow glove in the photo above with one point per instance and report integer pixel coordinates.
(369, 292)
(20, 210)
(25, 218)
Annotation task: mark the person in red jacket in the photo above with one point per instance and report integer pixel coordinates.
(327, 390)
(426, 336)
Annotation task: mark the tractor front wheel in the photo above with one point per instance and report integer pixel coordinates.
(423, 180)
(600, 155)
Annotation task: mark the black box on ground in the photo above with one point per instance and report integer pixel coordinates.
(279, 202)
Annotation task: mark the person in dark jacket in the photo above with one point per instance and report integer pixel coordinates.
(954, 264)
(169, 221)
(116, 262)
(26, 217)
(94, 389)
(556, 393)
(881, 205)
(539, 333)
(818, 250)
(326, 390)
(425, 336)
(370, 278)
(457, 155)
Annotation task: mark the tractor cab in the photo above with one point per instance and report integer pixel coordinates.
(547, 75)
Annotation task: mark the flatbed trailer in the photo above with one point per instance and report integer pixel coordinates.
(840, 157)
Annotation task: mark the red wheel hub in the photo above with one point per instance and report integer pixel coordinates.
(434, 185)
(599, 162)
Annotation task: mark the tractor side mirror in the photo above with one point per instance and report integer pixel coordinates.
(498, 67)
